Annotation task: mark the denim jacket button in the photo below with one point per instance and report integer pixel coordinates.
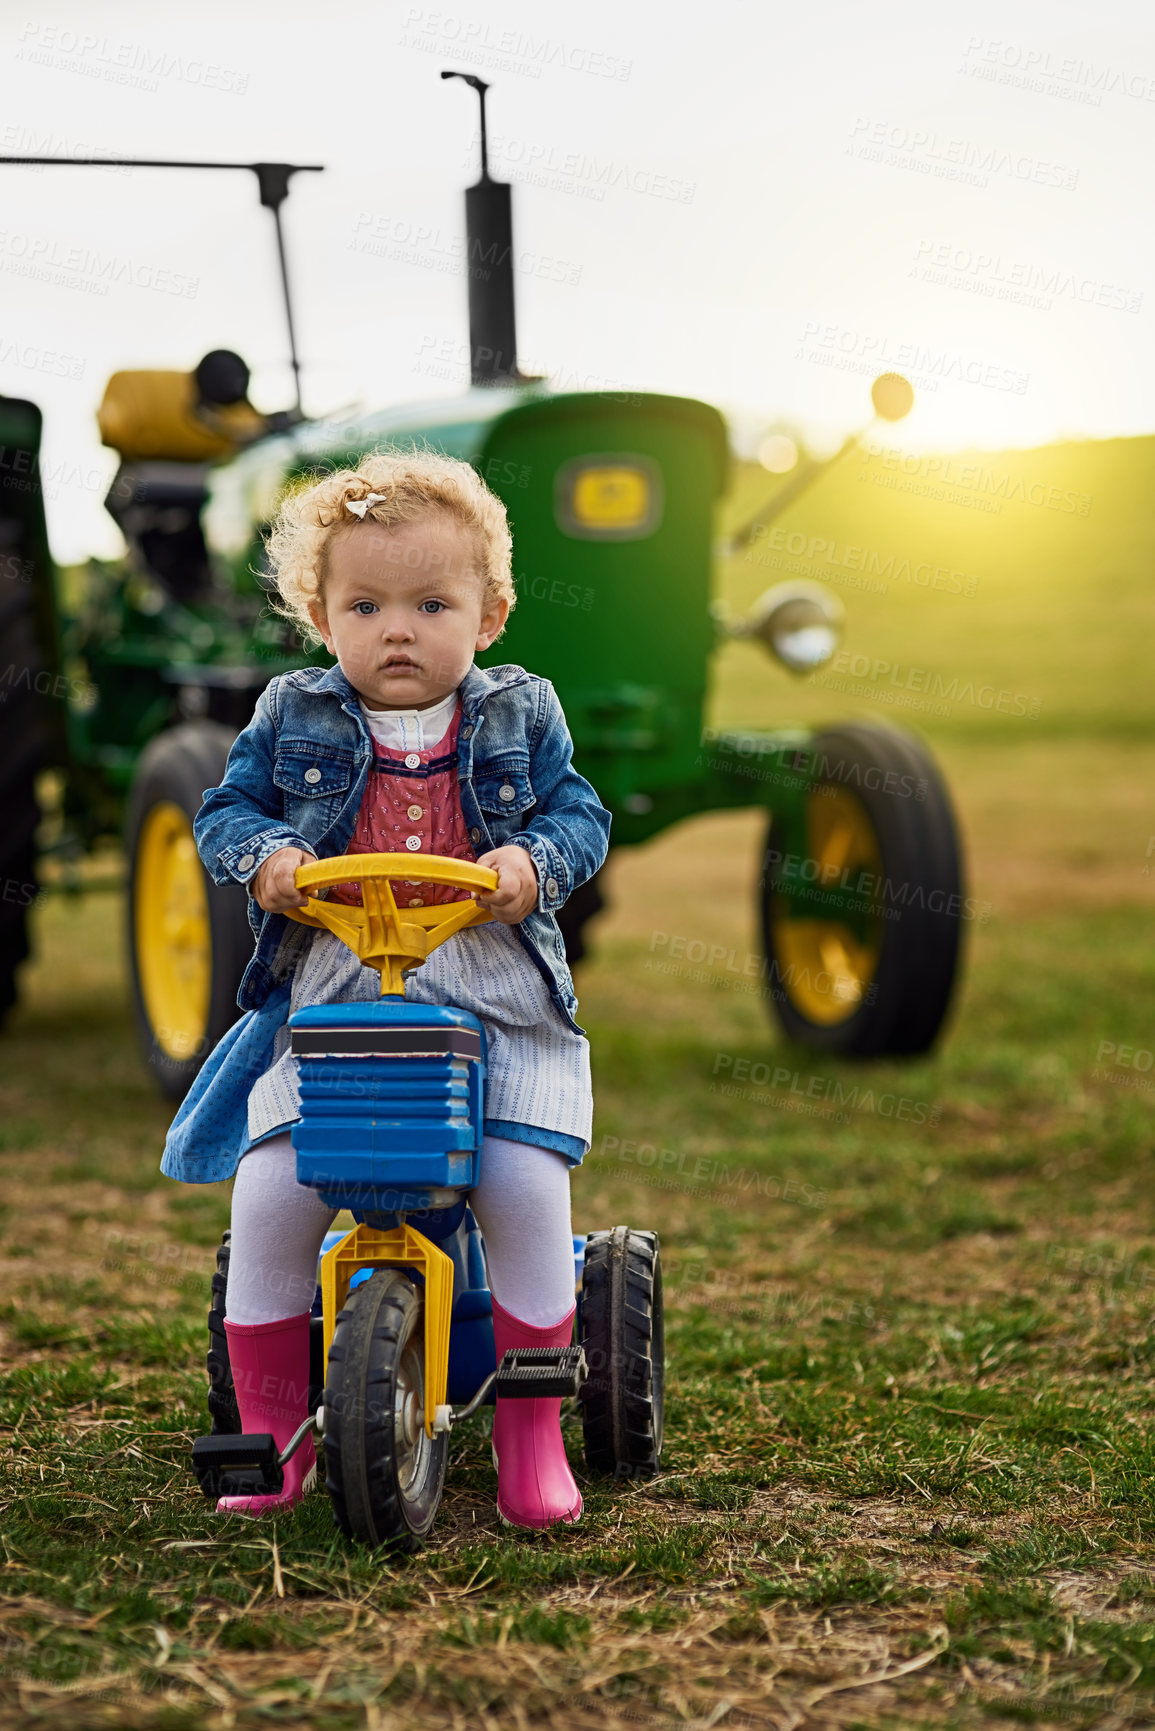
(506, 792)
(312, 776)
(475, 835)
(467, 733)
(246, 861)
(551, 888)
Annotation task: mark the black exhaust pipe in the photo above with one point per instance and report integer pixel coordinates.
(489, 242)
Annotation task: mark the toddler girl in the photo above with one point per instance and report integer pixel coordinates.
(402, 567)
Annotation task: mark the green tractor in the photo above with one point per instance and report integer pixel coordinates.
(134, 693)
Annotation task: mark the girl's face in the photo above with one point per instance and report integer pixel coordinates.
(404, 610)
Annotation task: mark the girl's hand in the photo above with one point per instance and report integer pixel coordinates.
(516, 892)
(273, 887)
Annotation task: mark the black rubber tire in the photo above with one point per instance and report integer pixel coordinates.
(622, 1331)
(33, 691)
(923, 881)
(223, 1410)
(587, 901)
(22, 753)
(179, 765)
(378, 1333)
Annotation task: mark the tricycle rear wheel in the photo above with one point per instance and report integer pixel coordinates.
(223, 1410)
(623, 1334)
(384, 1475)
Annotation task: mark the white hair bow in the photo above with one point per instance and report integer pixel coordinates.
(360, 506)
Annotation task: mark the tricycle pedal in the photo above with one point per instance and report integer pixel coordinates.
(238, 1466)
(541, 1372)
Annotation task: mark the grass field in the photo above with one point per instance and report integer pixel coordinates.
(909, 1476)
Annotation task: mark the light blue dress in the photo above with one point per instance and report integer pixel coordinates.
(538, 1088)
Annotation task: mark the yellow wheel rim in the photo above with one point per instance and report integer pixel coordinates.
(172, 933)
(826, 964)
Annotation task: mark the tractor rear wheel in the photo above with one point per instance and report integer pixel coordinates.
(189, 939)
(22, 750)
(862, 915)
(32, 688)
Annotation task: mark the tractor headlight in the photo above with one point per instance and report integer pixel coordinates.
(799, 623)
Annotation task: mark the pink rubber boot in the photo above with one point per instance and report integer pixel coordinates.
(270, 1365)
(534, 1484)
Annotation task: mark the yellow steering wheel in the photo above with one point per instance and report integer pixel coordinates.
(376, 932)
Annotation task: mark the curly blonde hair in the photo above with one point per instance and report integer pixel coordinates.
(314, 513)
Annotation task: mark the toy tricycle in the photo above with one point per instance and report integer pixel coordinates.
(392, 1113)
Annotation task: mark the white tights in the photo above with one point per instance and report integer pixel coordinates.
(521, 1204)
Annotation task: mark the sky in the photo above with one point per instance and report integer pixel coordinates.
(756, 205)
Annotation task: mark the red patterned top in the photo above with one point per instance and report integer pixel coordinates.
(412, 804)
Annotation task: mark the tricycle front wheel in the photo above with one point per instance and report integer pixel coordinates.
(385, 1476)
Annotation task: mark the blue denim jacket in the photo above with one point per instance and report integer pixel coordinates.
(295, 778)
(297, 774)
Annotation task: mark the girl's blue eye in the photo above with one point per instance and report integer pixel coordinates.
(432, 606)
(364, 608)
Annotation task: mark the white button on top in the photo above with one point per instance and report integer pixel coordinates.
(412, 842)
(551, 887)
(412, 761)
(246, 860)
(313, 776)
(415, 812)
(416, 902)
(506, 792)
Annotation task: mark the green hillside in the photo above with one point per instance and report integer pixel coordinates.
(1024, 573)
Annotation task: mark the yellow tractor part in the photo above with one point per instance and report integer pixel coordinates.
(827, 967)
(153, 414)
(173, 940)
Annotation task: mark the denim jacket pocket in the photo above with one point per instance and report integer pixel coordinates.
(303, 769)
(504, 792)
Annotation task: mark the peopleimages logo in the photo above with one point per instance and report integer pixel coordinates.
(79, 267)
(828, 1089)
(992, 487)
(830, 553)
(927, 366)
(964, 159)
(878, 895)
(1020, 281)
(1032, 68)
(936, 684)
(475, 40)
(116, 61)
